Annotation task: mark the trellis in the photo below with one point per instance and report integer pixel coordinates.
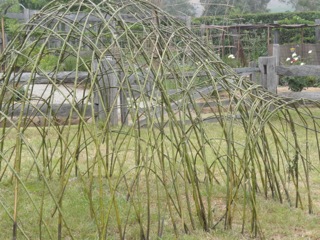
(216, 36)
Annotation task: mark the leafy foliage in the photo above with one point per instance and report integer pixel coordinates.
(255, 18)
(297, 84)
(295, 36)
(33, 4)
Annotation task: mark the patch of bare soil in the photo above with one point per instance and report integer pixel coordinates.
(311, 93)
(310, 89)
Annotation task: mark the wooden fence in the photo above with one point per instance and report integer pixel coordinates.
(270, 71)
(107, 96)
(266, 74)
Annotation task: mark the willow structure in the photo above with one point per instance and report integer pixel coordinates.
(116, 113)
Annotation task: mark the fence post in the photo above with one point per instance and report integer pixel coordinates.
(106, 90)
(269, 77)
(26, 14)
(236, 41)
(317, 22)
(276, 34)
(276, 54)
(202, 30)
(253, 75)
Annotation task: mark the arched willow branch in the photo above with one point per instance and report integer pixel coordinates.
(116, 110)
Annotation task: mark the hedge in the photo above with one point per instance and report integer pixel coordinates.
(254, 18)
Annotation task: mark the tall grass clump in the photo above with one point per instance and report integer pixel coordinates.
(133, 146)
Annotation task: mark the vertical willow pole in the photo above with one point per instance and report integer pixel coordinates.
(3, 40)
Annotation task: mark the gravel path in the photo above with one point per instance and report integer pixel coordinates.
(59, 105)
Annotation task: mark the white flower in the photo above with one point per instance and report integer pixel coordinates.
(310, 51)
(296, 58)
(231, 56)
(294, 54)
(302, 63)
(288, 59)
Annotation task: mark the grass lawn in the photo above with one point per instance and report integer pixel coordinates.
(147, 188)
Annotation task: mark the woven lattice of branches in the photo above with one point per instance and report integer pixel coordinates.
(123, 103)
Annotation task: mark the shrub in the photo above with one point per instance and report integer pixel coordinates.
(297, 84)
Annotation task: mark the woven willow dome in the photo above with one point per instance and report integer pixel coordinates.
(120, 105)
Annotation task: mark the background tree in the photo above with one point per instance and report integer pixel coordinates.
(304, 5)
(225, 7)
(178, 7)
(216, 7)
